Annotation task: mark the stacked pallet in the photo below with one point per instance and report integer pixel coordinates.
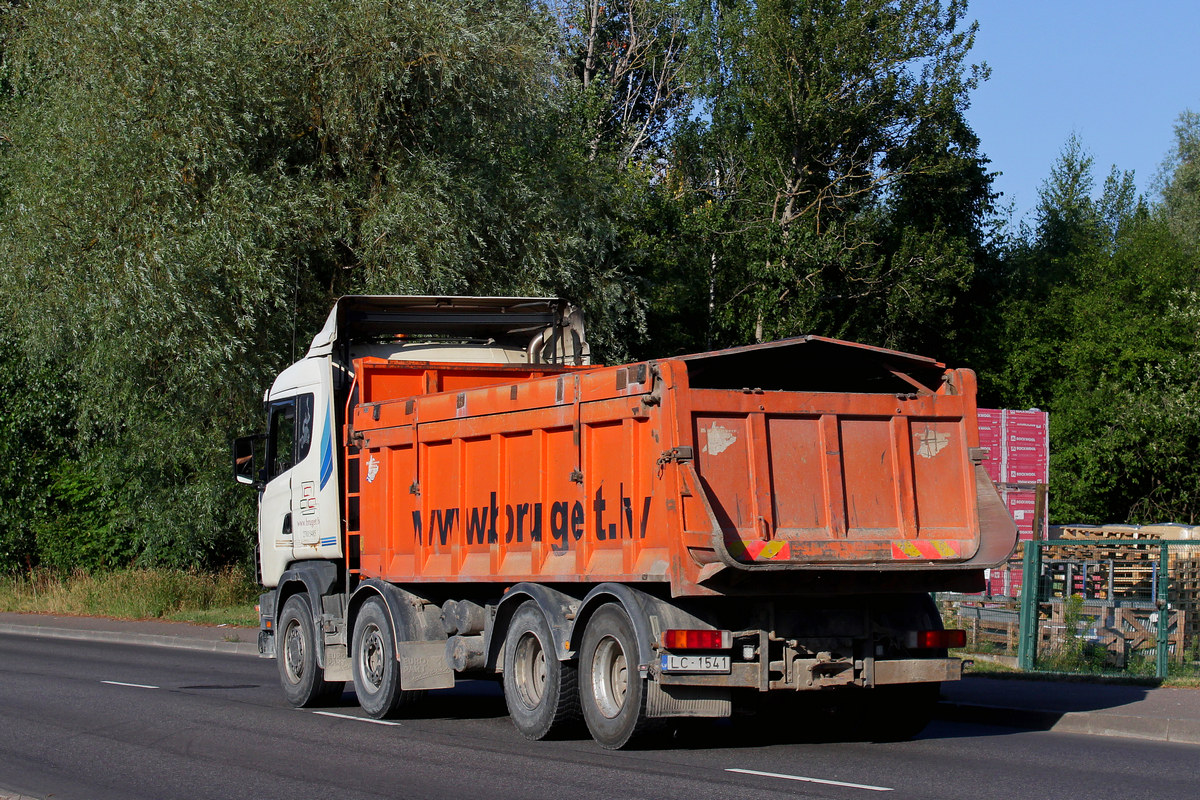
(1187, 593)
(1096, 535)
(1129, 571)
(1126, 571)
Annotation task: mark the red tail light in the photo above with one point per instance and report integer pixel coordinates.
(937, 640)
(677, 639)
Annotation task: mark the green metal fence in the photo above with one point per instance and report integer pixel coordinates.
(1111, 606)
(1121, 606)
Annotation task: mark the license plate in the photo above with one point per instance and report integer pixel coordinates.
(674, 663)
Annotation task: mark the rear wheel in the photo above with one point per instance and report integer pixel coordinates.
(541, 691)
(901, 712)
(611, 691)
(897, 712)
(376, 670)
(302, 678)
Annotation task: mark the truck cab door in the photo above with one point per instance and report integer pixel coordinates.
(275, 504)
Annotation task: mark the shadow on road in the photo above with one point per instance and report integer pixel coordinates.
(469, 699)
(970, 708)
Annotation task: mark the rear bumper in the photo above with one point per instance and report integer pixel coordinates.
(814, 674)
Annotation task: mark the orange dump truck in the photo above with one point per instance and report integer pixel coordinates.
(448, 490)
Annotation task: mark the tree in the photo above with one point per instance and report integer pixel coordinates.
(186, 186)
(1097, 326)
(826, 121)
(1044, 275)
(1179, 181)
(625, 59)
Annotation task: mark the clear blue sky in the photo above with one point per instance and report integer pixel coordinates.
(1117, 74)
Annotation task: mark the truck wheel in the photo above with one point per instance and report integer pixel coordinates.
(899, 712)
(376, 670)
(303, 680)
(611, 690)
(542, 693)
(894, 713)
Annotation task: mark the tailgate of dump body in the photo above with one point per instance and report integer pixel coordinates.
(817, 453)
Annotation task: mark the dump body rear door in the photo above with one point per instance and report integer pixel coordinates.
(814, 452)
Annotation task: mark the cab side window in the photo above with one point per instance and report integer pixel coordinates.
(290, 433)
(281, 441)
(304, 426)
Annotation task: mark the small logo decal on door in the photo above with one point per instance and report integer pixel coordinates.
(308, 498)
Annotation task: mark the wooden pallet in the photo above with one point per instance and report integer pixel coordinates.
(1121, 631)
(1186, 594)
(1095, 532)
(1133, 566)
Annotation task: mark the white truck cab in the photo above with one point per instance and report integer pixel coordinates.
(301, 455)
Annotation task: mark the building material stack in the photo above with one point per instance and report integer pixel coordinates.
(1018, 444)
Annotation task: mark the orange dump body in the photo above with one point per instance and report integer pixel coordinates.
(808, 454)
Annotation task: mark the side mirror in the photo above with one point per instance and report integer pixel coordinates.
(244, 450)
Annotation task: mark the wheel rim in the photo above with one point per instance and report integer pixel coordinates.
(371, 656)
(610, 677)
(293, 651)
(529, 662)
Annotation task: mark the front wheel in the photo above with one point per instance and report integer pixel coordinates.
(611, 689)
(302, 678)
(376, 670)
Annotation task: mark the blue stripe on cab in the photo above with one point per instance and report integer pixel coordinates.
(327, 450)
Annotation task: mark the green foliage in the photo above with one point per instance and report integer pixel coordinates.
(224, 596)
(1180, 183)
(186, 186)
(1100, 324)
(625, 73)
(1073, 652)
(82, 526)
(847, 188)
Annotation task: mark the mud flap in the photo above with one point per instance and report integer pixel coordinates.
(423, 665)
(337, 663)
(998, 532)
(687, 701)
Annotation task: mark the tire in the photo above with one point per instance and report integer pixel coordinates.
(611, 690)
(541, 692)
(303, 680)
(900, 712)
(376, 670)
(894, 713)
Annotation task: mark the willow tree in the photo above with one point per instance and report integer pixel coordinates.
(186, 184)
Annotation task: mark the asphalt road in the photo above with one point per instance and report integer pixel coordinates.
(91, 721)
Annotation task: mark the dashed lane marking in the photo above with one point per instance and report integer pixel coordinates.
(821, 781)
(356, 719)
(130, 685)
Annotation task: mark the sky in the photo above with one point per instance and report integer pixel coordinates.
(1116, 74)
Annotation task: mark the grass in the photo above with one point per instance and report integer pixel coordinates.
(1179, 677)
(981, 666)
(223, 598)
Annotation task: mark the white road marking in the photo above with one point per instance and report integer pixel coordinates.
(356, 719)
(812, 780)
(130, 685)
